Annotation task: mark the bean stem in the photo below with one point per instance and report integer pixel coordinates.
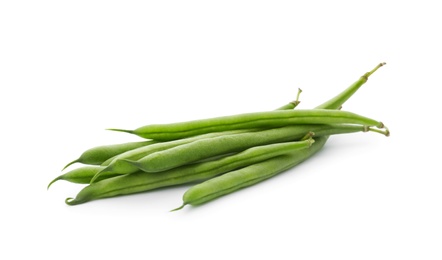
(292, 104)
(341, 98)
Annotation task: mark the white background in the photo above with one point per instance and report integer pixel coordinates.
(70, 69)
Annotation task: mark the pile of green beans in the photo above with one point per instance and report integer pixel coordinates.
(221, 155)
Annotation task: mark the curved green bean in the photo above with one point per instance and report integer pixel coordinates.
(232, 181)
(98, 155)
(337, 101)
(82, 175)
(247, 176)
(267, 119)
(206, 148)
(119, 165)
(142, 181)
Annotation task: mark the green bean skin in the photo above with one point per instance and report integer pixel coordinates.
(141, 152)
(288, 106)
(341, 98)
(97, 155)
(247, 176)
(142, 181)
(267, 119)
(206, 148)
(225, 184)
(82, 175)
(119, 165)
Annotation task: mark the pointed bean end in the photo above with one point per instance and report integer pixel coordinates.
(180, 207)
(70, 201)
(120, 130)
(69, 164)
(54, 180)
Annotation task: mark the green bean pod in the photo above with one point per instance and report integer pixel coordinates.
(247, 176)
(337, 101)
(142, 181)
(83, 175)
(119, 165)
(267, 119)
(230, 182)
(290, 105)
(136, 182)
(206, 148)
(97, 155)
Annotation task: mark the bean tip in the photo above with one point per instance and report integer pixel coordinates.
(180, 207)
(54, 180)
(69, 164)
(69, 201)
(120, 130)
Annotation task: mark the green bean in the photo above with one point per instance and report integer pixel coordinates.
(232, 181)
(97, 155)
(206, 148)
(82, 175)
(341, 98)
(108, 161)
(119, 165)
(290, 105)
(267, 119)
(142, 181)
(247, 176)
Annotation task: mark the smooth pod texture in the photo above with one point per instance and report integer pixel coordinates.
(119, 164)
(337, 101)
(142, 181)
(267, 119)
(98, 155)
(82, 175)
(206, 148)
(247, 176)
(122, 184)
(198, 195)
